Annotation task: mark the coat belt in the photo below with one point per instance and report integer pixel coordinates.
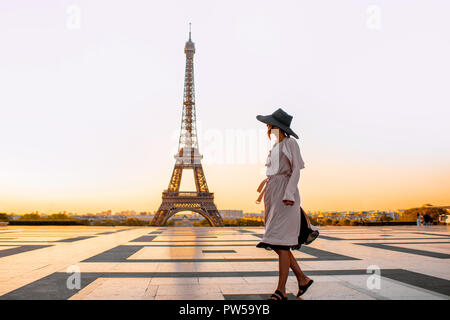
(263, 185)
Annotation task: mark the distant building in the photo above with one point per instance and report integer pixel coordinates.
(254, 214)
(231, 214)
(126, 213)
(104, 214)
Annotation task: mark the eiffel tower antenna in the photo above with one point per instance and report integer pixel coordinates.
(188, 157)
(189, 31)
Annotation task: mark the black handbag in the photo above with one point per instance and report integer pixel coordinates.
(307, 235)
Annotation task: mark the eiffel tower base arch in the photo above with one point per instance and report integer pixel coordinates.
(176, 203)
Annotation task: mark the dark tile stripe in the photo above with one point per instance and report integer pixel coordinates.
(116, 254)
(218, 251)
(16, 241)
(115, 231)
(419, 280)
(434, 234)
(323, 255)
(246, 240)
(361, 239)
(144, 239)
(26, 241)
(75, 239)
(328, 237)
(51, 287)
(406, 250)
(12, 251)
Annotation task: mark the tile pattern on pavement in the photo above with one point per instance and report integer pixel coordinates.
(219, 263)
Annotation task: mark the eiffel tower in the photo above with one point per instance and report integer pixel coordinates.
(188, 157)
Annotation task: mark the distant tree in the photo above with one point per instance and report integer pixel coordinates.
(59, 216)
(110, 222)
(313, 221)
(254, 222)
(204, 223)
(411, 214)
(4, 217)
(30, 216)
(85, 222)
(227, 222)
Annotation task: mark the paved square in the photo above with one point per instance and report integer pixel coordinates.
(219, 263)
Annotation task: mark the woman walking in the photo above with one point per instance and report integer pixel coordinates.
(282, 200)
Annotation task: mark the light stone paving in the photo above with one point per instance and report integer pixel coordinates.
(163, 263)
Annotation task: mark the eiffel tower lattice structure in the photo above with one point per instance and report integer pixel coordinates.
(188, 157)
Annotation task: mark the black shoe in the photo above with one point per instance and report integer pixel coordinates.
(302, 289)
(278, 295)
(312, 236)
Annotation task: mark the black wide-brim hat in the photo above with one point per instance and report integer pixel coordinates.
(279, 119)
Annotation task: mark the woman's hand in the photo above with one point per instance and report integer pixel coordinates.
(288, 202)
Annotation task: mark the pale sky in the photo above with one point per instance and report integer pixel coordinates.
(91, 100)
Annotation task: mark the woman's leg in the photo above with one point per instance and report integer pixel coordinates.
(301, 277)
(283, 269)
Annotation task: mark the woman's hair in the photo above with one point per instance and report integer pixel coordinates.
(284, 133)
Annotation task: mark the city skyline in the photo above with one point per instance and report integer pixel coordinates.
(91, 111)
(131, 212)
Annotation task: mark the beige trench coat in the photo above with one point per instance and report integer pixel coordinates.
(282, 222)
